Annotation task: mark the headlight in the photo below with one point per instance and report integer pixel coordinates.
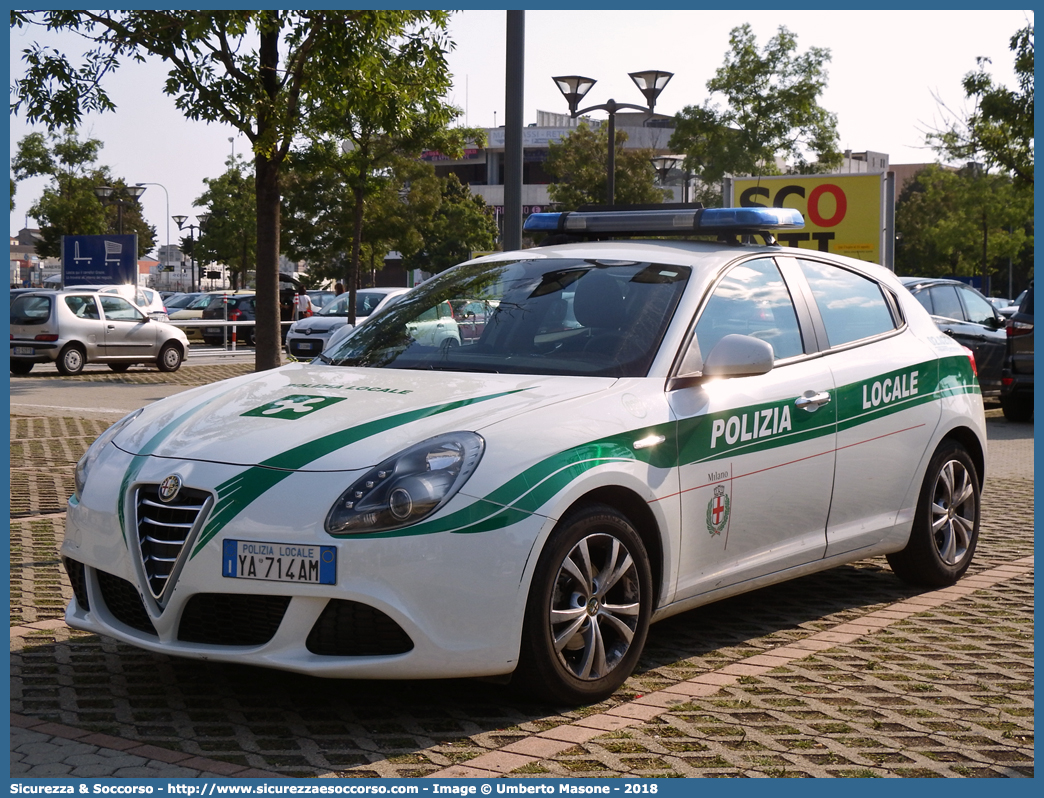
(95, 449)
(407, 487)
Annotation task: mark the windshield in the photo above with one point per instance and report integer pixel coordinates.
(365, 303)
(563, 317)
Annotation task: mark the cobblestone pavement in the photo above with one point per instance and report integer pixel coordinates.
(843, 673)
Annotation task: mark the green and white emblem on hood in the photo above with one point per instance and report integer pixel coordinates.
(296, 406)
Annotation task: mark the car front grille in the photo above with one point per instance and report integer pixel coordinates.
(124, 602)
(350, 629)
(230, 619)
(164, 530)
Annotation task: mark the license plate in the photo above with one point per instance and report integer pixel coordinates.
(23, 350)
(212, 331)
(279, 562)
(305, 345)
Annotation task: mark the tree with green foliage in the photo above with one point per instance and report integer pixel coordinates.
(999, 132)
(433, 222)
(953, 223)
(458, 225)
(68, 204)
(319, 210)
(391, 115)
(266, 73)
(230, 234)
(772, 113)
(578, 165)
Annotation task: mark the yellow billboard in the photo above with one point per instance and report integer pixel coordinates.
(843, 213)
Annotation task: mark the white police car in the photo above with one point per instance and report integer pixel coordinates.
(642, 427)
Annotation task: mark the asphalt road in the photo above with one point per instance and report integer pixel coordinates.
(99, 393)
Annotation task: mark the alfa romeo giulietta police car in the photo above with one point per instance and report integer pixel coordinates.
(642, 426)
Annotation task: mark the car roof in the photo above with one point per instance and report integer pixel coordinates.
(383, 289)
(908, 281)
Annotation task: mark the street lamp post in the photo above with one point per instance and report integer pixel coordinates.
(574, 87)
(119, 197)
(165, 194)
(202, 218)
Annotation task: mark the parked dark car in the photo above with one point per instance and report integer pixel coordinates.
(969, 318)
(230, 307)
(1013, 306)
(242, 307)
(1017, 376)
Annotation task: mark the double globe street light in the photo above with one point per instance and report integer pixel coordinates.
(124, 195)
(573, 87)
(202, 218)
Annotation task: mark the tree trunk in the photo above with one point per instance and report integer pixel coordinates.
(267, 333)
(353, 267)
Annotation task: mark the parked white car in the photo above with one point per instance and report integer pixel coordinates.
(642, 427)
(308, 337)
(145, 298)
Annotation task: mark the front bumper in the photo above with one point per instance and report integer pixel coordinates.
(424, 606)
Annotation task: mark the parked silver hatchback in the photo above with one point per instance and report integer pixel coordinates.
(74, 327)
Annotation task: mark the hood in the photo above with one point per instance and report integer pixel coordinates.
(318, 324)
(314, 417)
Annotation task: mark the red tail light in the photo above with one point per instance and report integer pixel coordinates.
(46, 337)
(235, 315)
(971, 357)
(1016, 328)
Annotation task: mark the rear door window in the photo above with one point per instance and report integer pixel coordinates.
(83, 307)
(946, 302)
(853, 307)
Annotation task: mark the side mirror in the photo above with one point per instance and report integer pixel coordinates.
(739, 356)
(733, 356)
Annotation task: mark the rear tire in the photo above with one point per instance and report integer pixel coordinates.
(170, 358)
(71, 360)
(21, 367)
(946, 523)
(1018, 407)
(589, 608)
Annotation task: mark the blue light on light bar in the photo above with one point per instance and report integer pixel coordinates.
(704, 221)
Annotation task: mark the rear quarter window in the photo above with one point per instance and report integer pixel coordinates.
(31, 310)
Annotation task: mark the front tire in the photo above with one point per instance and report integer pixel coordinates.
(589, 608)
(71, 360)
(946, 523)
(169, 358)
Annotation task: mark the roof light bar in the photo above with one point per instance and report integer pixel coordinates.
(704, 221)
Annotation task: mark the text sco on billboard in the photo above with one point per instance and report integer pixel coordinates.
(843, 213)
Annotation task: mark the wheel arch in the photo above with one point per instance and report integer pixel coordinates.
(636, 510)
(973, 446)
(173, 342)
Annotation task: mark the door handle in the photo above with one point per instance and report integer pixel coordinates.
(811, 401)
